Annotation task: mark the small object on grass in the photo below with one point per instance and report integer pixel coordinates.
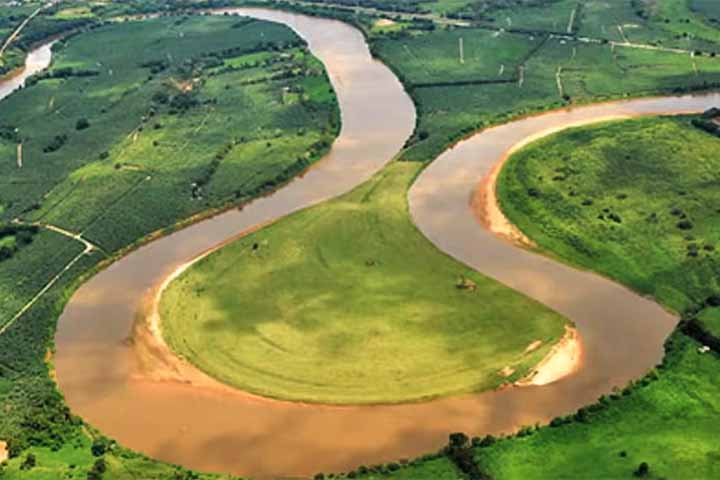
(465, 284)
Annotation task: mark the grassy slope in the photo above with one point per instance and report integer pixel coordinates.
(348, 303)
(649, 172)
(640, 170)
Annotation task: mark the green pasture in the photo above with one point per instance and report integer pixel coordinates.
(348, 303)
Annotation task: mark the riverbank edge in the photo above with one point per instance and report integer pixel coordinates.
(105, 263)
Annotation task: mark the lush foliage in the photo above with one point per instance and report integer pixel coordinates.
(669, 422)
(512, 67)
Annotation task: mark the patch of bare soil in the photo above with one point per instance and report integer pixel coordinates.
(3, 451)
(385, 22)
(563, 359)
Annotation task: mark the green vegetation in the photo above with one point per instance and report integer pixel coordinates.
(15, 237)
(86, 458)
(244, 102)
(334, 304)
(511, 66)
(710, 319)
(136, 111)
(111, 178)
(45, 24)
(669, 423)
(635, 200)
(708, 9)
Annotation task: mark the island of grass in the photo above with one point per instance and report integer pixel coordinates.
(347, 303)
(636, 200)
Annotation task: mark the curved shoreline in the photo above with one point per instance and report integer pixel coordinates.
(96, 368)
(162, 363)
(485, 201)
(563, 360)
(36, 60)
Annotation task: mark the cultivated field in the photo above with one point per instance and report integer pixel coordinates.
(135, 127)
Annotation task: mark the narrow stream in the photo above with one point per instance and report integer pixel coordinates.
(98, 371)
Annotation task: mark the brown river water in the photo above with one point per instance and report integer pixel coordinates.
(36, 61)
(99, 372)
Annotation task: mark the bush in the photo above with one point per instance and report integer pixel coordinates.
(82, 124)
(97, 470)
(29, 462)
(99, 447)
(685, 225)
(642, 471)
(56, 143)
(460, 452)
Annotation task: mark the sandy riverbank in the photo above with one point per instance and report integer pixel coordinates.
(563, 359)
(485, 202)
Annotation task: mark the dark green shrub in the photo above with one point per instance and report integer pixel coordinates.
(29, 462)
(642, 471)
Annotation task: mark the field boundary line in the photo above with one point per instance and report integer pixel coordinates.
(44, 290)
(89, 248)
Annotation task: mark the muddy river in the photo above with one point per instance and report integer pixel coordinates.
(104, 381)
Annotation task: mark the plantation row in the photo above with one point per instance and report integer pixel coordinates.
(115, 138)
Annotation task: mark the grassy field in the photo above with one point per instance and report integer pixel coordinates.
(670, 424)
(708, 9)
(635, 200)
(144, 108)
(457, 98)
(348, 303)
(240, 126)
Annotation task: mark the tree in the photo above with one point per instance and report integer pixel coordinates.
(99, 447)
